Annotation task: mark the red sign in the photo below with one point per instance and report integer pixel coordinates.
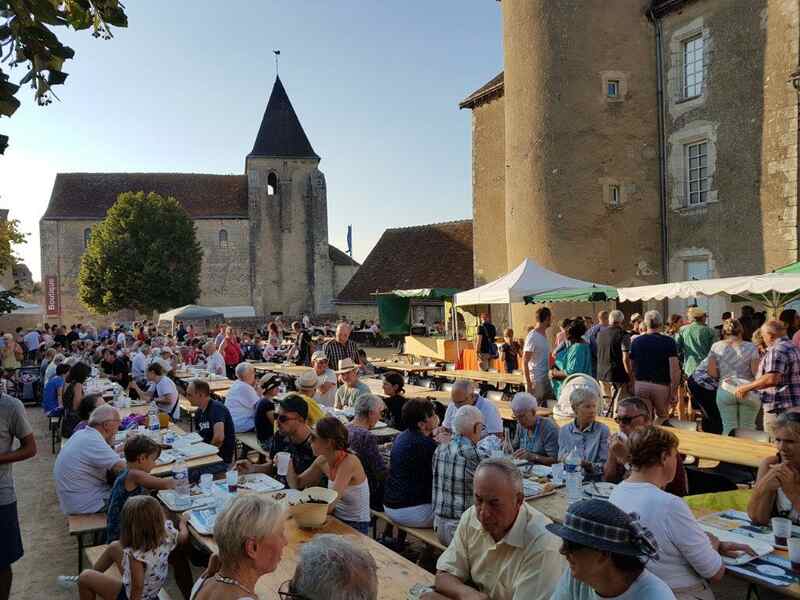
(52, 295)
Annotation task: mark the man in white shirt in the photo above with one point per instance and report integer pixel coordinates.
(82, 466)
(121, 338)
(535, 359)
(242, 398)
(215, 363)
(326, 379)
(32, 341)
(462, 395)
(161, 390)
(306, 322)
(139, 362)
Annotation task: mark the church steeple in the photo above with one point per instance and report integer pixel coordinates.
(280, 134)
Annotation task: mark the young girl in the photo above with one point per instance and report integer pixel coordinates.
(510, 351)
(141, 554)
(141, 454)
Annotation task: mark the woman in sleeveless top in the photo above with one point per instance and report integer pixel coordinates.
(72, 396)
(343, 470)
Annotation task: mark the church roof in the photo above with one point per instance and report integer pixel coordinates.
(339, 258)
(494, 86)
(90, 195)
(281, 134)
(435, 255)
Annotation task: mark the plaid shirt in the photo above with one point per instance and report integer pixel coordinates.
(782, 357)
(336, 351)
(454, 467)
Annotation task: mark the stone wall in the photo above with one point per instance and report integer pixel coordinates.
(357, 312)
(488, 190)
(341, 275)
(225, 273)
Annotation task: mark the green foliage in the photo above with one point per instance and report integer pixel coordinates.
(27, 41)
(6, 303)
(9, 234)
(144, 255)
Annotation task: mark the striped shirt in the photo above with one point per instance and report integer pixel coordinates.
(454, 467)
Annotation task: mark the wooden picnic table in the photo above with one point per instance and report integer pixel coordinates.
(723, 448)
(281, 369)
(411, 391)
(496, 378)
(396, 574)
(404, 367)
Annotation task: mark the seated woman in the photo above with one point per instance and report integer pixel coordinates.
(343, 471)
(250, 536)
(777, 489)
(408, 497)
(536, 438)
(72, 395)
(161, 390)
(585, 433)
(85, 407)
(607, 560)
(265, 410)
(393, 387)
(574, 357)
(368, 409)
(688, 557)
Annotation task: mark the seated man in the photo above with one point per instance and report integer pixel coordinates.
(242, 398)
(82, 467)
(293, 436)
(351, 387)
(536, 438)
(633, 414)
(501, 547)
(115, 368)
(462, 395)
(161, 390)
(215, 363)
(326, 379)
(215, 426)
(334, 568)
(454, 467)
(265, 410)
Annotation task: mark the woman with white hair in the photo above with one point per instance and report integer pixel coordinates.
(242, 398)
(250, 536)
(536, 438)
(368, 409)
(331, 567)
(585, 433)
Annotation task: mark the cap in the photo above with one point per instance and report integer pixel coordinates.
(270, 382)
(346, 365)
(318, 355)
(294, 403)
(308, 379)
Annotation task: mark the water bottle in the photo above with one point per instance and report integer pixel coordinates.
(180, 473)
(152, 417)
(508, 449)
(573, 474)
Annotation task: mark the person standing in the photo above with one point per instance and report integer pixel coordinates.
(301, 352)
(13, 426)
(694, 340)
(231, 352)
(485, 345)
(613, 343)
(342, 347)
(535, 359)
(591, 337)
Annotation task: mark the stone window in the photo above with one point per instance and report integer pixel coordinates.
(612, 88)
(697, 179)
(692, 63)
(614, 196)
(272, 184)
(87, 235)
(615, 85)
(223, 238)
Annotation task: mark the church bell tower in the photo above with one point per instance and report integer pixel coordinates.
(289, 259)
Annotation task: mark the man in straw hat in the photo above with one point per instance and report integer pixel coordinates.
(694, 340)
(351, 387)
(607, 550)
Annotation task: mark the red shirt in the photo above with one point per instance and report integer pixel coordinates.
(231, 351)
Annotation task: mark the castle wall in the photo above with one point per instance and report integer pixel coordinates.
(488, 190)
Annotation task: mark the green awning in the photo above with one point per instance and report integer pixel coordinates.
(792, 268)
(393, 307)
(595, 293)
(425, 293)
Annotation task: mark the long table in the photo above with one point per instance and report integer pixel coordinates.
(411, 391)
(723, 448)
(404, 367)
(281, 369)
(488, 377)
(396, 574)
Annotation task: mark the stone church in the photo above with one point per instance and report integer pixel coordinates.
(264, 234)
(635, 142)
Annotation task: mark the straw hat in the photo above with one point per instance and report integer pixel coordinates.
(307, 380)
(695, 312)
(346, 365)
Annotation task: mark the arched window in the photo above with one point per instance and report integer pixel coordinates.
(87, 235)
(223, 238)
(272, 184)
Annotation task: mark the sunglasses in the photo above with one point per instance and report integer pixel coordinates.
(286, 592)
(627, 420)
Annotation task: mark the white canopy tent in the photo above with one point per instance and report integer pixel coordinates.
(773, 290)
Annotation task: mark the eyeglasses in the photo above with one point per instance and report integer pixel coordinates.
(286, 592)
(627, 420)
(285, 418)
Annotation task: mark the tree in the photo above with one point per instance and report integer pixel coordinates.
(26, 40)
(9, 234)
(144, 255)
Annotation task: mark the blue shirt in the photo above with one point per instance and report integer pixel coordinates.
(410, 480)
(216, 412)
(543, 440)
(119, 496)
(592, 444)
(50, 400)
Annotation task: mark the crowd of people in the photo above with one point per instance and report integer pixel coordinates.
(451, 470)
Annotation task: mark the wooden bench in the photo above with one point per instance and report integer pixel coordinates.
(188, 408)
(93, 555)
(83, 525)
(250, 441)
(426, 536)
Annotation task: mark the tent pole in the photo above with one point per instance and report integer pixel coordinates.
(455, 325)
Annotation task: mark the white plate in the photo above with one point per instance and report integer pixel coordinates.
(541, 470)
(600, 489)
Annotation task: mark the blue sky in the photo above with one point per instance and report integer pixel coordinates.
(375, 83)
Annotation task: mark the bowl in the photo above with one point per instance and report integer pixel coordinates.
(310, 515)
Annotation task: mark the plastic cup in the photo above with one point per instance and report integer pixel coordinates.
(232, 479)
(794, 554)
(206, 481)
(282, 459)
(782, 530)
(557, 473)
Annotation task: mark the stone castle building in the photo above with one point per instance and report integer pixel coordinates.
(639, 141)
(264, 234)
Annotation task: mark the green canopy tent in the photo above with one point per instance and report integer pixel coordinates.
(394, 308)
(594, 293)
